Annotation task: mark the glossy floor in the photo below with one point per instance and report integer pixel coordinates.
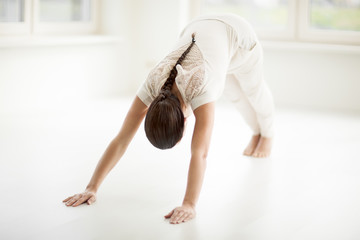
(308, 189)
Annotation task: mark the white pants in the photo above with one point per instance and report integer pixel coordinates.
(246, 88)
(232, 49)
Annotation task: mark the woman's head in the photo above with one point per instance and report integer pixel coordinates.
(164, 122)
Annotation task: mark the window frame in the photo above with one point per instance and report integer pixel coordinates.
(33, 26)
(286, 34)
(40, 27)
(306, 33)
(18, 27)
(298, 27)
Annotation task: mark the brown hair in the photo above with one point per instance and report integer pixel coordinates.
(164, 122)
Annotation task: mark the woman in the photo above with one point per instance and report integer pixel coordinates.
(223, 56)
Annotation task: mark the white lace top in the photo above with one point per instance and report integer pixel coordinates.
(189, 80)
(201, 76)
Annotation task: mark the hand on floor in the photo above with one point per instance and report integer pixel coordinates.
(181, 214)
(88, 196)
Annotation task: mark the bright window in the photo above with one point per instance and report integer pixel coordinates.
(335, 15)
(11, 10)
(328, 21)
(15, 17)
(48, 16)
(65, 10)
(262, 14)
(272, 19)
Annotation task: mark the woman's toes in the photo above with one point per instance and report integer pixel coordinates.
(263, 148)
(260, 155)
(249, 150)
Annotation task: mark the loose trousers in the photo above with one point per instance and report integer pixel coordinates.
(246, 88)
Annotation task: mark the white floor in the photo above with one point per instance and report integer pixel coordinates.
(308, 189)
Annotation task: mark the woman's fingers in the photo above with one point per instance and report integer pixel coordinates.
(181, 214)
(73, 199)
(80, 198)
(186, 217)
(80, 201)
(65, 200)
(183, 217)
(177, 216)
(169, 214)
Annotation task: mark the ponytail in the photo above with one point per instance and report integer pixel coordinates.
(166, 88)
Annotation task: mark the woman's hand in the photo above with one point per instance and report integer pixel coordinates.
(88, 196)
(181, 214)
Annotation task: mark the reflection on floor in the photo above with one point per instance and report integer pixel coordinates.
(308, 189)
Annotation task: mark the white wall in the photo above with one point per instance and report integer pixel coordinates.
(149, 28)
(314, 77)
(45, 77)
(48, 76)
(57, 73)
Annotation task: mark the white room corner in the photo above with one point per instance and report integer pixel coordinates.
(65, 90)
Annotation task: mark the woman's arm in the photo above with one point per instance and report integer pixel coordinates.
(199, 148)
(113, 153)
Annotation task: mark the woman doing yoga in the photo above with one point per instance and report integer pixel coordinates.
(214, 55)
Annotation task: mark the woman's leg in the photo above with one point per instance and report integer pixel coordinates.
(251, 80)
(234, 93)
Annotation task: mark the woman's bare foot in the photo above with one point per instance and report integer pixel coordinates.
(263, 148)
(249, 150)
